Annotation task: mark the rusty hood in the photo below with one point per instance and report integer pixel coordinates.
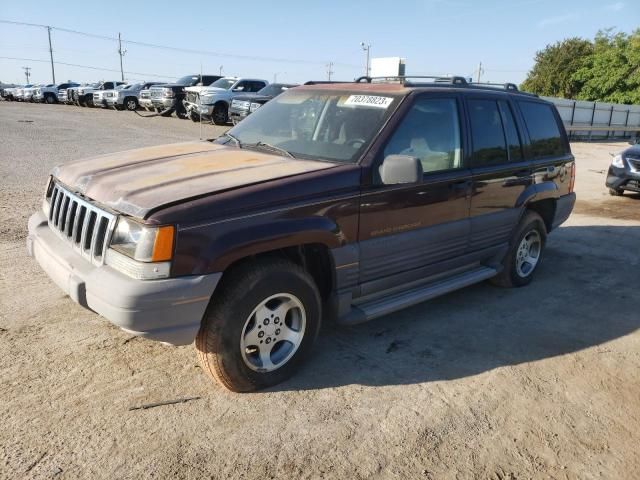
(136, 182)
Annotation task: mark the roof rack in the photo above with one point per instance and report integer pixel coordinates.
(408, 79)
(322, 82)
(506, 86)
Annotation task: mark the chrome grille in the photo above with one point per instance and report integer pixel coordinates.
(634, 163)
(86, 227)
(96, 96)
(145, 94)
(157, 93)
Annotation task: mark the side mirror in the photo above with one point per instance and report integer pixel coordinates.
(400, 169)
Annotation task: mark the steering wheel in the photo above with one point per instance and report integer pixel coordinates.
(354, 141)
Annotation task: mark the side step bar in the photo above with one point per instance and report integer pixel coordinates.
(397, 301)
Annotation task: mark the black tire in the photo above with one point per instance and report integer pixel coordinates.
(88, 101)
(509, 276)
(131, 104)
(49, 99)
(223, 326)
(615, 192)
(168, 113)
(220, 114)
(194, 117)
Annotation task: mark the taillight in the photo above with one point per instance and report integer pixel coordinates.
(572, 178)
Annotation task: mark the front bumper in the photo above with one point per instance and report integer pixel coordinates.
(163, 103)
(623, 179)
(145, 103)
(202, 110)
(38, 98)
(112, 101)
(236, 115)
(168, 310)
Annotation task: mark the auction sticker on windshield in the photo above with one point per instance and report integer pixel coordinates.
(368, 101)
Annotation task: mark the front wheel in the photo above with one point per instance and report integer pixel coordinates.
(220, 114)
(131, 104)
(525, 252)
(260, 326)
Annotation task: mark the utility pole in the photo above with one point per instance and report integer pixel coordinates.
(53, 71)
(329, 70)
(220, 70)
(121, 53)
(367, 48)
(479, 72)
(27, 72)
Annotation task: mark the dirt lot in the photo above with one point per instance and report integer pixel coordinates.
(539, 382)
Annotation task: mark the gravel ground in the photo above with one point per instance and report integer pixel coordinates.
(538, 382)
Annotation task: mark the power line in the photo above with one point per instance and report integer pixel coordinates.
(184, 50)
(88, 67)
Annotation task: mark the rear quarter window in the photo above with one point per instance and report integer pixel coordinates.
(544, 132)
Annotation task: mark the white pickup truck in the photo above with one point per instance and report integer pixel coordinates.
(213, 102)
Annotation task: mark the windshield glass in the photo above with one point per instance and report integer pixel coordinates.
(188, 80)
(326, 125)
(225, 83)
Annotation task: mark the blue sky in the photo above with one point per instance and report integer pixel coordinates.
(293, 41)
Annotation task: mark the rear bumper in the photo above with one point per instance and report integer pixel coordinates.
(167, 310)
(564, 207)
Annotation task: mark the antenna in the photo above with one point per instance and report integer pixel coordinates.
(121, 53)
(200, 100)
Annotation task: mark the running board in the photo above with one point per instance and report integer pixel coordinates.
(397, 301)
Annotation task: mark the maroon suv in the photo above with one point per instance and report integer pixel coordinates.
(343, 201)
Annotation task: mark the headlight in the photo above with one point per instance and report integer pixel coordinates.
(617, 161)
(168, 93)
(206, 98)
(142, 242)
(254, 106)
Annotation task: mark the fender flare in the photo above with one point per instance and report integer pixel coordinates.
(539, 191)
(263, 238)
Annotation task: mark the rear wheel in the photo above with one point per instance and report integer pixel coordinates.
(49, 99)
(260, 326)
(525, 252)
(616, 192)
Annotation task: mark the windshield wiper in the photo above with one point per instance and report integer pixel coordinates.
(234, 138)
(273, 147)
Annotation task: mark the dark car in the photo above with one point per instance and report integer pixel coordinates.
(624, 171)
(243, 105)
(342, 202)
(168, 98)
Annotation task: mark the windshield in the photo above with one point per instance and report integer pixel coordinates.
(274, 89)
(189, 80)
(334, 126)
(225, 83)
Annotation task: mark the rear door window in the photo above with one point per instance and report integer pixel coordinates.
(544, 132)
(487, 133)
(511, 131)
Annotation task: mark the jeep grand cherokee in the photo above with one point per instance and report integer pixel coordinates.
(337, 201)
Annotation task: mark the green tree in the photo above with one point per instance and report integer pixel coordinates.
(553, 73)
(612, 72)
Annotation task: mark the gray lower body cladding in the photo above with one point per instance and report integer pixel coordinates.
(168, 310)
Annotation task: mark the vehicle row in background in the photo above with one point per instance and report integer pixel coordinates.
(210, 98)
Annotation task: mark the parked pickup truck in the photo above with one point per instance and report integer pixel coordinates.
(341, 202)
(243, 105)
(49, 93)
(168, 97)
(85, 96)
(126, 98)
(213, 101)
